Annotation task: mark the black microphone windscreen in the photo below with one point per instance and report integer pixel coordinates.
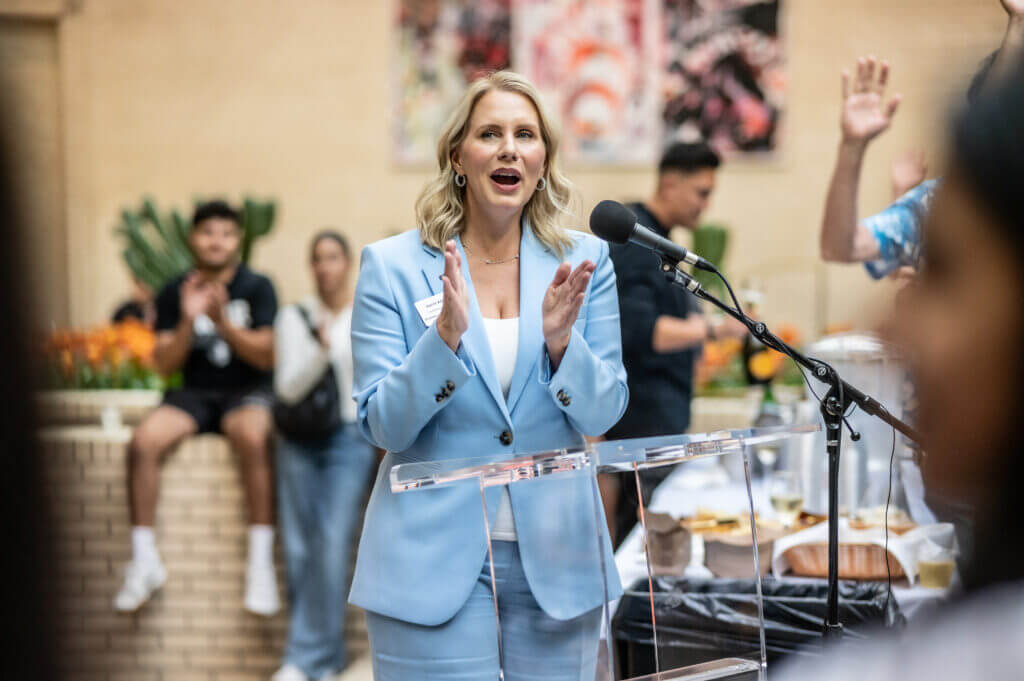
(612, 221)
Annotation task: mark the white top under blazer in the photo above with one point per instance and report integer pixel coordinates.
(503, 335)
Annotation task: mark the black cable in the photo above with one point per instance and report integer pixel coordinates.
(781, 347)
(774, 343)
(888, 500)
(771, 341)
(807, 382)
(728, 286)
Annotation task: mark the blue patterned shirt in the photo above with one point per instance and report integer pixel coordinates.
(897, 229)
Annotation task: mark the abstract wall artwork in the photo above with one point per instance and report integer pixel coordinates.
(723, 78)
(441, 46)
(624, 77)
(596, 63)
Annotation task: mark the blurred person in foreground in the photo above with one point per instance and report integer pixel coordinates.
(214, 324)
(890, 241)
(521, 354)
(322, 479)
(32, 602)
(662, 325)
(960, 323)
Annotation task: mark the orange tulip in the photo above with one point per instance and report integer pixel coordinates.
(67, 363)
(764, 365)
(789, 334)
(94, 353)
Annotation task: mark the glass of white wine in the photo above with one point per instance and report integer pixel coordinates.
(787, 496)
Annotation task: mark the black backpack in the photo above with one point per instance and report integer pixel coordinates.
(317, 415)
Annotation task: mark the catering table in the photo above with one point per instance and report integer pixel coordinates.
(706, 484)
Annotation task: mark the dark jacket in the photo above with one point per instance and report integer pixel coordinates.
(660, 385)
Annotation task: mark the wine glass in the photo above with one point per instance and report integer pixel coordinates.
(787, 496)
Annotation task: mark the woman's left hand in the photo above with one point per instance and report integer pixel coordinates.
(562, 303)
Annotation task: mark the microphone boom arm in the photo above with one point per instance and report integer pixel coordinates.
(760, 331)
(833, 409)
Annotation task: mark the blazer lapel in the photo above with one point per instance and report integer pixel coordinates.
(537, 266)
(433, 268)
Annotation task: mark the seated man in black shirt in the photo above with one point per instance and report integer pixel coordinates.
(662, 326)
(215, 324)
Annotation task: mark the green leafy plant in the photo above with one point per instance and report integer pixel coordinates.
(711, 241)
(156, 244)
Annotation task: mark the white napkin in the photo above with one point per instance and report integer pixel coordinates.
(906, 548)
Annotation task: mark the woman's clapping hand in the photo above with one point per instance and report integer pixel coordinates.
(562, 303)
(454, 318)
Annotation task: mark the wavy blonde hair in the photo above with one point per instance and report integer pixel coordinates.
(440, 208)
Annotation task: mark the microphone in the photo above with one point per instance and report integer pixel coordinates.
(613, 222)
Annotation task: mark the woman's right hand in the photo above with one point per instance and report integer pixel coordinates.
(454, 318)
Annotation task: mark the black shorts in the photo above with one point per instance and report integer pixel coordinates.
(208, 407)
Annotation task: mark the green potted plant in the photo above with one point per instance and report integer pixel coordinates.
(156, 245)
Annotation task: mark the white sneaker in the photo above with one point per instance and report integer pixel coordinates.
(289, 672)
(140, 583)
(261, 592)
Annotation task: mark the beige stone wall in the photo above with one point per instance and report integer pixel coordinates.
(195, 628)
(291, 100)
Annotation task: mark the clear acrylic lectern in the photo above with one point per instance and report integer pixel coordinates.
(559, 524)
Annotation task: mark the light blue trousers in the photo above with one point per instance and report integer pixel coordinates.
(536, 647)
(320, 494)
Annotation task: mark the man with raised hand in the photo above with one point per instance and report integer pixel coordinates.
(890, 240)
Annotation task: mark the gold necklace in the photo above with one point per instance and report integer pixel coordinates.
(489, 262)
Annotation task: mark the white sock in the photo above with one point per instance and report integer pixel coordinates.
(144, 546)
(261, 546)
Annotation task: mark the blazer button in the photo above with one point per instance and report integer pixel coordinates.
(505, 437)
(439, 397)
(566, 401)
(445, 392)
(560, 395)
(450, 386)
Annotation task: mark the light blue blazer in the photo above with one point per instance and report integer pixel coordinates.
(422, 551)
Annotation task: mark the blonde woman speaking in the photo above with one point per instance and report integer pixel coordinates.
(525, 355)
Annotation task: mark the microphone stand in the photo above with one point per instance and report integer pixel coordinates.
(834, 405)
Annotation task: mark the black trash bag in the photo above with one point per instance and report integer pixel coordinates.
(700, 620)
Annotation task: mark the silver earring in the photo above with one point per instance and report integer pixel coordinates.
(542, 184)
(460, 180)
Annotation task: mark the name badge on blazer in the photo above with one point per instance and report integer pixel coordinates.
(430, 308)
